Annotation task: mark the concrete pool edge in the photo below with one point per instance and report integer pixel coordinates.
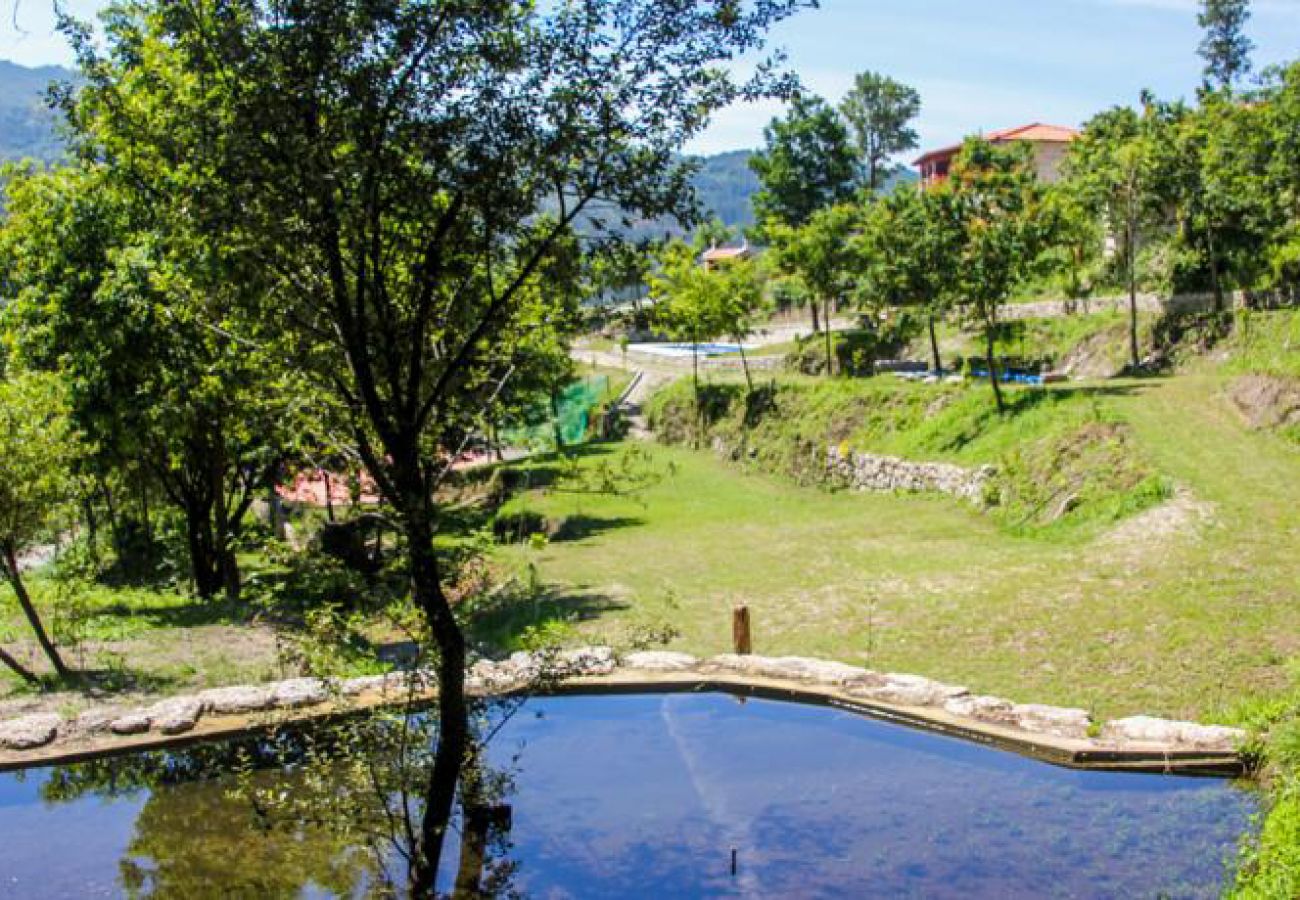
(1078, 752)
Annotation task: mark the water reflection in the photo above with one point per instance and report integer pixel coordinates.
(626, 797)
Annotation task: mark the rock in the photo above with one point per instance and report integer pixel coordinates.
(177, 715)
(388, 683)
(660, 661)
(94, 721)
(1147, 729)
(132, 723)
(297, 692)
(587, 661)
(906, 690)
(868, 472)
(1055, 720)
(983, 709)
(235, 700)
(29, 732)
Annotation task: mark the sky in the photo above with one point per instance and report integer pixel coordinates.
(979, 65)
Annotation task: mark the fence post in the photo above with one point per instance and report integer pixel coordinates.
(740, 635)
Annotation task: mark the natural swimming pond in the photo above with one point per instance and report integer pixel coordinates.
(645, 796)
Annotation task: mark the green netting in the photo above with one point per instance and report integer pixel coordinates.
(572, 412)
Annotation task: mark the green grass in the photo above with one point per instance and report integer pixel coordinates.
(1180, 625)
(1265, 343)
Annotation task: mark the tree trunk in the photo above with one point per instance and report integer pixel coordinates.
(936, 363)
(555, 423)
(816, 321)
(992, 365)
(18, 668)
(453, 715)
(329, 495)
(826, 320)
(1131, 239)
(744, 362)
(695, 376)
(205, 568)
(1132, 302)
(1215, 281)
(33, 618)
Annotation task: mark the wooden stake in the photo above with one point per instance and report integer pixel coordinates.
(740, 630)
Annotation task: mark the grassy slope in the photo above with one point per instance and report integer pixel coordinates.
(1180, 625)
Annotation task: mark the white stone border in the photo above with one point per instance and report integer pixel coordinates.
(1062, 735)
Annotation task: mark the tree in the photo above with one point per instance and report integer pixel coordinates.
(822, 255)
(410, 173)
(911, 251)
(696, 304)
(1005, 229)
(1079, 235)
(1225, 47)
(38, 449)
(1278, 120)
(1110, 165)
(880, 111)
(806, 164)
(137, 312)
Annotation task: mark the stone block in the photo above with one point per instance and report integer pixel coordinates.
(1054, 720)
(29, 732)
(660, 661)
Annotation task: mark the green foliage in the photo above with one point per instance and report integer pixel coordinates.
(1225, 47)
(807, 164)
(879, 112)
(822, 258)
(910, 247)
(40, 449)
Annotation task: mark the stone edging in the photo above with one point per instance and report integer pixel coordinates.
(1059, 735)
(869, 472)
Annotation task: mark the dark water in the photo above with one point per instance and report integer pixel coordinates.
(645, 796)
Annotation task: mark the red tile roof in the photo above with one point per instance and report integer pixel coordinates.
(716, 254)
(1035, 131)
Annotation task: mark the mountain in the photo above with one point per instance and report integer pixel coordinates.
(27, 124)
(725, 184)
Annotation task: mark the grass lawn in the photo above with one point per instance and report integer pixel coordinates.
(1135, 620)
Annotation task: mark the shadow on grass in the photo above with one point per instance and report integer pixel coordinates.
(190, 614)
(505, 620)
(545, 470)
(98, 682)
(581, 527)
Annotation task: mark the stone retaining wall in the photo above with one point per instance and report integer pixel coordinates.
(1135, 742)
(1149, 303)
(868, 472)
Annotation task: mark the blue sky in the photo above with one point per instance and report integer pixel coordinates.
(979, 64)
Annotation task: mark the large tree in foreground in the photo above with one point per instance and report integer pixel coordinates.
(410, 170)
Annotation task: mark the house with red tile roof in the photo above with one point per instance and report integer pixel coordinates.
(716, 255)
(1049, 143)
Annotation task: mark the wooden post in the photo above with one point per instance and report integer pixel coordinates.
(740, 630)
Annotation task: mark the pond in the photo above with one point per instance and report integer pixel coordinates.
(647, 795)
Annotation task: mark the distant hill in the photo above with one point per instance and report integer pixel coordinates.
(724, 184)
(27, 124)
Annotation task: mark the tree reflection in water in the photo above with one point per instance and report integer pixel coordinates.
(334, 809)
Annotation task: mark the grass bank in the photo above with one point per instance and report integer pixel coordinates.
(1181, 611)
(1064, 457)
